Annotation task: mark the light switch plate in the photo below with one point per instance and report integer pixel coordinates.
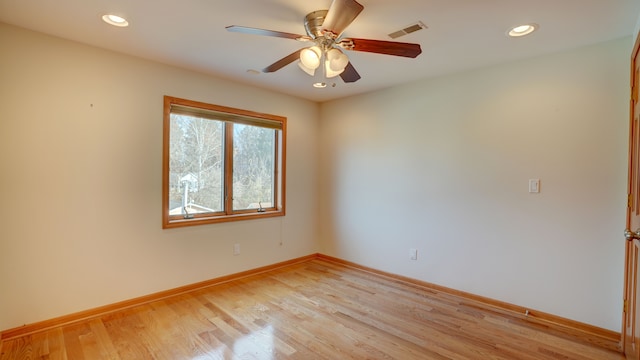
(534, 186)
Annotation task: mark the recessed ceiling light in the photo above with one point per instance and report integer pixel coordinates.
(115, 20)
(522, 30)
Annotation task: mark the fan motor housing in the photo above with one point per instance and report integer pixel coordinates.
(313, 23)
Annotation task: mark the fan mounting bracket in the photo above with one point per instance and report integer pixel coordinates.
(313, 23)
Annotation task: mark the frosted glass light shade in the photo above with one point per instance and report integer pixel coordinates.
(309, 71)
(329, 72)
(310, 57)
(336, 60)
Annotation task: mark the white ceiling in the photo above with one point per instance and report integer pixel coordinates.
(461, 34)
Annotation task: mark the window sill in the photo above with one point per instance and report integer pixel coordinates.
(169, 223)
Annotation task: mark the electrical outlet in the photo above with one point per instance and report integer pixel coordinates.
(413, 254)
(236, 249)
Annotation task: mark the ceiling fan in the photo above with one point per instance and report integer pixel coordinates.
(324, 28)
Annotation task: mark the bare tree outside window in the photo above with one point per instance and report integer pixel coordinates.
(253, 167)
(197, 164)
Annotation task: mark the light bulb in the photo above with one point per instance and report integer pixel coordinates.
(522, 30)
(115, 20)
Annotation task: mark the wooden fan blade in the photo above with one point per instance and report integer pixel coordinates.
(255, 31)
(283, 62)
(350, 74)
(340, 15)
(382, 47)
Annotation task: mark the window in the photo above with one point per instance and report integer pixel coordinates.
(220, 164)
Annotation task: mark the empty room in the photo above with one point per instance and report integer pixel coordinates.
(261, 179)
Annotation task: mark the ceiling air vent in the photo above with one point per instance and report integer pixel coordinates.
(408, 30)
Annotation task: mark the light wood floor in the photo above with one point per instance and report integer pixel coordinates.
(313, 310)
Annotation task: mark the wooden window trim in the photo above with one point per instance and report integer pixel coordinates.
(228, 215)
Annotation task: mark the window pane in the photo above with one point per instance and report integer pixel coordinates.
(196, 165)
(253, 167)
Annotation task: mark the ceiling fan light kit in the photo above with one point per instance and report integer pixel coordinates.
(333, 59)
(323, 28)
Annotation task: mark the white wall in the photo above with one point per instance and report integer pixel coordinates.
(443, 166)
(80, 183)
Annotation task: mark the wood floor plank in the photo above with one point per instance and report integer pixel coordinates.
(17, 349)
(163, 334)
(72, 343)
(40, 345)
(55, 344)
(249, 317)
(124, 328)
(311, 310)
(98, 345)
(192, 321)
